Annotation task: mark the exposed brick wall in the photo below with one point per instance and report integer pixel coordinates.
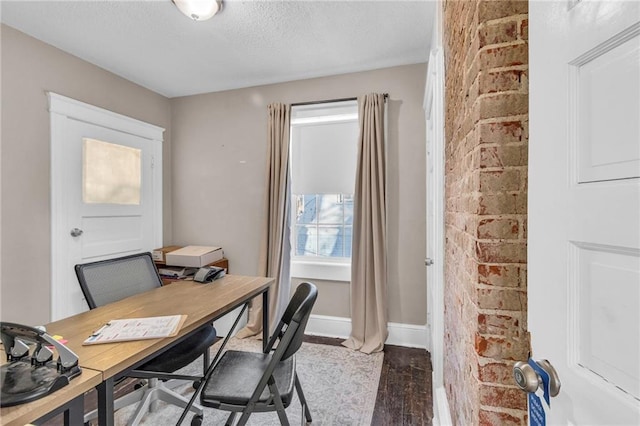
(486, 133)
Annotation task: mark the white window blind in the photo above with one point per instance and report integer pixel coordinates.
(324, 148)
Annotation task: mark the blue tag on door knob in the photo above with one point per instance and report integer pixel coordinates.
(537, 416)
(544, 376)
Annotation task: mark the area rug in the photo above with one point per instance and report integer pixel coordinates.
(340, 386)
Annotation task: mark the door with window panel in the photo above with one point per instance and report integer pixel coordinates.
(106, 197)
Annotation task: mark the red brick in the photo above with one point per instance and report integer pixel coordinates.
(524, 29)
(498, 229)
(501, 252)
(504, 56)
(500, 275)
(504, 397)
(495, 181)
(499, 203)
(503, 105)
(467, 125)
(502, 81)
(485, 174)
(502, 156)
(492, 204)
(473, 70)
(497, 418)
(472, 96)
(502, 132)
(502, 299)
(492, 9)
(499, 325)
(523, 277)
(502, 348)
(497, 32)
(472, 50)
(499, 373)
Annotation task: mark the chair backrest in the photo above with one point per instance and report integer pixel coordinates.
(110, 280)
(295, 319)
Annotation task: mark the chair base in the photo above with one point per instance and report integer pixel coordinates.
(148, 397)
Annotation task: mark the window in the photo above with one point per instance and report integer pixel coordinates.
(323, 225)
(111, 173)
(324, 148)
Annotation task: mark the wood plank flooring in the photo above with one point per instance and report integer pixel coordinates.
(404, 393)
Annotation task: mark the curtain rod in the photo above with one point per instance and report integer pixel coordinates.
(327, 101)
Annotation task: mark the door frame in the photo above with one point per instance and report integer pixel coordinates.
(63, 109)
(434, 115)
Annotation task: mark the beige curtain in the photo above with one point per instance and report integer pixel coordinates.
(275, 250)
(369, 252)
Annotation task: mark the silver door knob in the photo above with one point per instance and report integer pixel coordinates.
(428, 261)
(75, 232)
(529, 381)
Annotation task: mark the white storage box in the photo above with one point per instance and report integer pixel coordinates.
(159, 253)
(194, 256)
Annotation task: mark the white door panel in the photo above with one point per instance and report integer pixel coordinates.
(106, 186)
(105, 236)
(605, 83)
(584, 206)
(607, 294)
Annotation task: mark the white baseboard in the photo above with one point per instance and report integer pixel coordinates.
(409, 335)
(441, 413)
(326, 326)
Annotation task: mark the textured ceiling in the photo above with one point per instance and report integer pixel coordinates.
(249, 43)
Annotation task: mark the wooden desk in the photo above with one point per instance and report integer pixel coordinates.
(69, 399)
(202, 303)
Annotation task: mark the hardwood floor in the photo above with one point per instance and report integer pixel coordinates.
(404, 393)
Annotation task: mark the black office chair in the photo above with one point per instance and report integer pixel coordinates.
(111, 280)
(257, 382)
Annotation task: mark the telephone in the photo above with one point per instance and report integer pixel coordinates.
(206, 274)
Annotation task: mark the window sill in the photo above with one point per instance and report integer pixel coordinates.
(321, 270)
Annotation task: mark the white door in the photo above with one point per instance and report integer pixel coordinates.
(106, 193)
(584, 206)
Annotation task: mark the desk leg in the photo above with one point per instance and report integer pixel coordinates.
(105, 402)
(74, 414)
(265, 318)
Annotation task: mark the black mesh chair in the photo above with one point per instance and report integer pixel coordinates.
(257, 382)
(111, 280)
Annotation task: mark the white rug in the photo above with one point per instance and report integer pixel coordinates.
(340, 386)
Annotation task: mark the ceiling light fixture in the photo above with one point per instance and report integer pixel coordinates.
(198, 10)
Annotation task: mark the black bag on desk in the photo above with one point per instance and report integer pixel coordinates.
(30, 376)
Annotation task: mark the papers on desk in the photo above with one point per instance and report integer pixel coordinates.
(137, 329)
(176, 271)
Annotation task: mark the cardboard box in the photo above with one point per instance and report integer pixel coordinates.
(194, 256)
(159, 253)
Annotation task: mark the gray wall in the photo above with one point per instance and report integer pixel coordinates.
(214, 165)
(219, 158)
(29, 69)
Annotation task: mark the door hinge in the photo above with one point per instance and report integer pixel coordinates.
(153, 161)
